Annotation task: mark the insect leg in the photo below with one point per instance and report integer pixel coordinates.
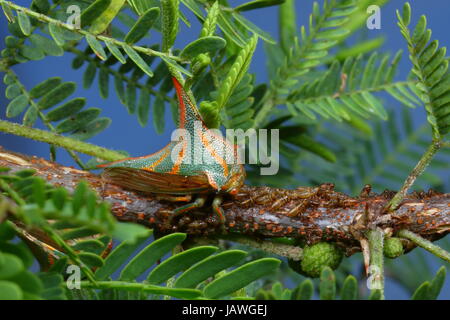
(199, 202)
(218, 209)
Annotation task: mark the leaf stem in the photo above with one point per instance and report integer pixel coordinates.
(415, 173)
(376, 268)
(60, 141)
(426, 244)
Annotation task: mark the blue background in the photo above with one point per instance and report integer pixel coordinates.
(126, 134)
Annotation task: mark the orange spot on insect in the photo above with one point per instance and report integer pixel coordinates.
(151, 220)
(140, 216)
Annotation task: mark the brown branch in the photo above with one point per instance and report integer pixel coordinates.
(310, 214)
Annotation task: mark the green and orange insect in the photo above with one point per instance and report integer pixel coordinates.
(175, 172)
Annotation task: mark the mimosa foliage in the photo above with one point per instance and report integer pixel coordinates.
(329, 98)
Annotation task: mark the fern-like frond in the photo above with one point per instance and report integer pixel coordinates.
(382, 161)
(430, 66)
(72, 224)
(330, 289)
(347, 90)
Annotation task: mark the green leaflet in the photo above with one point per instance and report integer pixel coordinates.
(327, 284)
(115, 51)
(12, 91)
(8, 13)
(47, 45)
(103, 82)
(24, 23)
(103, 20)
(169, 15)
(304, 141)
(130, 98)
(30, 117)
(141, 6)
(437, 283)
(90, 245)
(89, 75)
(158, 114)
(79, 120)
(208, 268)
(254, 28)
(91, 129)
(80, 232)
(209, 44)
(148, 256)
(175, 66)
(287, 24)
(118, 87)
(31, 53)
(231, 31)
(304, 291)
(53, 286)
(349, 289)
(430, 290)
(57, 95)
(67, 109)
(96, 47)
(10, 291)
(41, 6)
(90, 259)
(142, 26)
(93, 12)
(179, 262)
(129, 231)
(257, 4)
(57, 33)
(240, 277)
(143, 107)
(16, 106)
(10, 267)
(137, 59)
(118, 256)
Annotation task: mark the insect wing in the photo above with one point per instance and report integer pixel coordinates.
(155, 182)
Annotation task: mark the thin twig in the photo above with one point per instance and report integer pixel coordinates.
(424, 243)
(415, 173)
(376, 238)
(60, 141)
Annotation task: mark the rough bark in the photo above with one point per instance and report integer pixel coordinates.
(308, 214)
